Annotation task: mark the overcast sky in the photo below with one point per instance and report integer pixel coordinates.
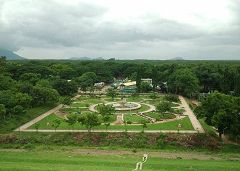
(122, 29)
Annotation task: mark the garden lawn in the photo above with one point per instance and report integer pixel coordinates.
(133, 118)
(172, 125)
(66, 161)
(159, 116)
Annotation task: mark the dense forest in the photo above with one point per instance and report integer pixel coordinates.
(29, 84)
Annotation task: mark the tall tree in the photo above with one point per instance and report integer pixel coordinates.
(90, 120)
(183, 81)
(65, 88)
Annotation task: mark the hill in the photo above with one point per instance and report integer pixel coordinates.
(10, 55)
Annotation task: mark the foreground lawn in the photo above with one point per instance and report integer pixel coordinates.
(172, 125)
(66, 161)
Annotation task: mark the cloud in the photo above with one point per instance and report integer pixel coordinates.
(54, 29)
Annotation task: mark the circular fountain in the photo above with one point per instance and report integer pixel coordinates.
(122, 105)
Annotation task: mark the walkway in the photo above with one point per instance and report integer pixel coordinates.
(196, 124)
(37, 119)
(129, 131)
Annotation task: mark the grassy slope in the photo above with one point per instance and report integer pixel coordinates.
(62, 161)
(186, 125)
(13, 123)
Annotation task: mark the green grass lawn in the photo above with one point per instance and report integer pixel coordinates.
(86, 102)
(159, 116)
(172, 125)
(133, 118)
(66, 161)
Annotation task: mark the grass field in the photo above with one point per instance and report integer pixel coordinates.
(66, 161)
(172, 125)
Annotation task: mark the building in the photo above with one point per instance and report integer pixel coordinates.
(128, 87)
(147, 80)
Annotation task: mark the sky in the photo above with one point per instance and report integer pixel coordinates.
(123, 29)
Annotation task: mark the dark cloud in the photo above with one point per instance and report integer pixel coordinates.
(54, 25)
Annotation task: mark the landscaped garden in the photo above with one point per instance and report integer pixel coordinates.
(135, 113)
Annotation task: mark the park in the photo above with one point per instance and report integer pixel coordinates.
(134, 113)
(58, 115)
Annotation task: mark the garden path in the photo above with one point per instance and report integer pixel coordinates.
(196, 124)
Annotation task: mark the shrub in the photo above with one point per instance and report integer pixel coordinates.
(172, 98)
(129, 122)
(29, 146)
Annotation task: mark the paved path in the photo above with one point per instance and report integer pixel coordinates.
(151, 108)
(130, 131)
(196, 124)
(37, 119)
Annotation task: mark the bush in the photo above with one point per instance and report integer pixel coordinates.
(29, 146)
(153, 95)
(161, 141)
(172, 98)
(129, 122)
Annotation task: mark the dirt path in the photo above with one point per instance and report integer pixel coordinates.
(196, 124)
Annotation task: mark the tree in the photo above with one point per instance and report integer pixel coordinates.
(183, 81)
(23, 99)
(56, 123)
(66, 100)
(18, 110)
(164, 107)
(144, 125)
(72, 119)
(221, 111)
(90, 120)
(36, 126)
(153, 95)
(86, 80)
(106, 111)
(111, 93)
(138, 78)
(237, 82)
(65, 88)
(43, 95)
(7, 83)
(145, 87)
(3, 111)
(30, 77)
(64, 71)
(221, 121)
(2, 64)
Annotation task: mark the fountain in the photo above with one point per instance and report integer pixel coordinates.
(123, 105)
